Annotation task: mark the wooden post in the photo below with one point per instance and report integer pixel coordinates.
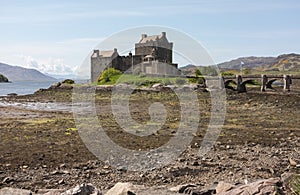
(287, 81)
(264, 81)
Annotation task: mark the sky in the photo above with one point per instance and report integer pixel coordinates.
(56, 36)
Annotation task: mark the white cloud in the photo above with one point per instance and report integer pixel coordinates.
(49, 66)
(57, 57)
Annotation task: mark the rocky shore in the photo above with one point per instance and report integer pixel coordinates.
(257, 152)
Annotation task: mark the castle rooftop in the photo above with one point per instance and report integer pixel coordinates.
(105, 53)
(146, 38)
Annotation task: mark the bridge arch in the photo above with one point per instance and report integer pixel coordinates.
(227, 84)
(252, 79)
(242, 86)
(270, 82)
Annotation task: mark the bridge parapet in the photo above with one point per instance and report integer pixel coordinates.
(266, 81)
(295, 76)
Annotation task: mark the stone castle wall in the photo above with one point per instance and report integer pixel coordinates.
(159, 49)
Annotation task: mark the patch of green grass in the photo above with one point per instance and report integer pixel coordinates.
(40, 121)
(112, 80)
(72, 129)
(255, 83)
(146, 81)
(69, 131)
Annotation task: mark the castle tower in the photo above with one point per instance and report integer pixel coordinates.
(158, 43)
(101, 60)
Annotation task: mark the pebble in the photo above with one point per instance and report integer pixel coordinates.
(61, 181)
(54, 172)
(195, 163)
(7, 180)
(292, 162)
(65, 172)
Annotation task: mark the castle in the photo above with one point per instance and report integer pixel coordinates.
(153, 56)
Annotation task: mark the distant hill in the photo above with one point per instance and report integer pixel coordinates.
(17, 73)
(188, 69)
(285, 62)
(62, 77)
(248, 62)
(205, 70)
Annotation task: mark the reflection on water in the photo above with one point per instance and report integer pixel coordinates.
(46, 106)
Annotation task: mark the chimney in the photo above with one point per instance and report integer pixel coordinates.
(115, 50)
(163, 34)
(96, 51)
(144, 36)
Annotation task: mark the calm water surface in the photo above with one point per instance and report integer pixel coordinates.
(23, 88)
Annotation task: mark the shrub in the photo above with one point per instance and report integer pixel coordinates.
(198, 73)
(247, 71)
(197, 80)
(109, 75)
(193, 80)
(68, 81)
(168, 82)
(227, 74)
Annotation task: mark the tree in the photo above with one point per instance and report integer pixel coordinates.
(198, 73)
(108, 74)
(247, 71)
(68, 81)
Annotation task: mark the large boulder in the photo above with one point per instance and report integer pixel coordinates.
(7, 191)
(83, 189)
(261, 187)
(121, 189)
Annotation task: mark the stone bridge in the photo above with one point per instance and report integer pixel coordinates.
(266, 81)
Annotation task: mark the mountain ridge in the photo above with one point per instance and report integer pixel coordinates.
(17, 73)
(247, 62)
(283, 62)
